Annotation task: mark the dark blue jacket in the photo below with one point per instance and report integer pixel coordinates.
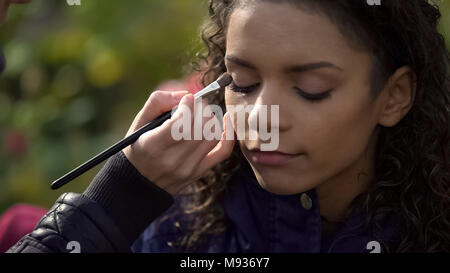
(118, 210)
(260, 221)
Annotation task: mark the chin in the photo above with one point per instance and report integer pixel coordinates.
(282, 185)
(276, 189)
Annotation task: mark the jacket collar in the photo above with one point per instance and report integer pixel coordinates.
(267, 222)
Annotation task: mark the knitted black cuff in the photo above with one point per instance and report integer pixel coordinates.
(131, 200)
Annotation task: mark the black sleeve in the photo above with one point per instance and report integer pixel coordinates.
(108, 217)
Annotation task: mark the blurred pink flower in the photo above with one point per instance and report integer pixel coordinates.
(15, 143)
(191, 83)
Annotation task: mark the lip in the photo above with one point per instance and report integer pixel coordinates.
(272, 158)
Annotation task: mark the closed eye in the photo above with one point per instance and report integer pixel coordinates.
(308, 96)
(313, 97)
(244, 89)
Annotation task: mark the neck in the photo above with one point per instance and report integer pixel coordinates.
(336, 194)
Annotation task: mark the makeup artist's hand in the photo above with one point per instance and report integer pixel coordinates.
(171, 164)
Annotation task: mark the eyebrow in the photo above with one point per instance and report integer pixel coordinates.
(291, 69)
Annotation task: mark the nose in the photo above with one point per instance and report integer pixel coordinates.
(269, 102)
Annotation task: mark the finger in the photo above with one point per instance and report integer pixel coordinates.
(191, 152)
(158, 103)
(209, 138)
(163, 135)
(193, 126)
(195, 156)
(221, 151)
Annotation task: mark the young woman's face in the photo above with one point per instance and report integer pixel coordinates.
(329, 124)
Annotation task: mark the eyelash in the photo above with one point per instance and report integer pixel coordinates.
(313, 97)
(308, 96)
(245, 90)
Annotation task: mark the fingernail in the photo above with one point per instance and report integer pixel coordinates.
(189, 97)
(185, 99)
(225, 121)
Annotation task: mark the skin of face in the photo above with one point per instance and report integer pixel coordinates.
(336, 135)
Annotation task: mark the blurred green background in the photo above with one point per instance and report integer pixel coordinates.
(77, 75)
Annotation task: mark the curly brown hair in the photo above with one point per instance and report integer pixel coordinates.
(412, 160)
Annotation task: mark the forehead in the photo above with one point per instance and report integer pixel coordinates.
(286, 34)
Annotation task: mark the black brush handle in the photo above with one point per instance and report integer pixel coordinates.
(110, 151)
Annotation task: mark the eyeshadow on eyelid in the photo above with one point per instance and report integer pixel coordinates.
(315, 85)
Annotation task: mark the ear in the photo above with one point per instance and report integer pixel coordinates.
(397, 97)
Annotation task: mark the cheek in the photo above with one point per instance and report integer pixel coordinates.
(340, 137)
(235, 98)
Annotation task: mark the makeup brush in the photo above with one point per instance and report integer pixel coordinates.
(221, 82)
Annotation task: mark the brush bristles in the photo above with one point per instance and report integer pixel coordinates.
(224, 80)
